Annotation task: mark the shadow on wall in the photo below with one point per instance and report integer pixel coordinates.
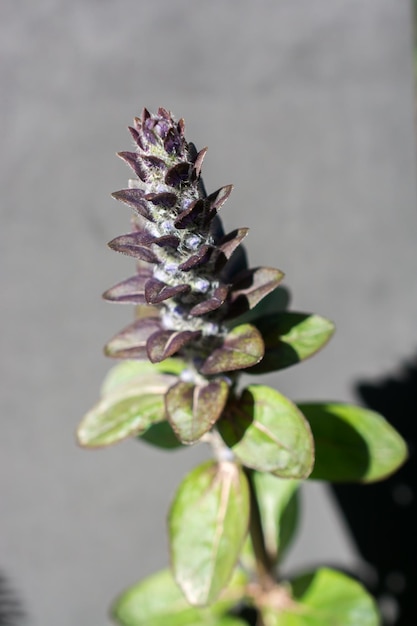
(382, 517)
(11, 611)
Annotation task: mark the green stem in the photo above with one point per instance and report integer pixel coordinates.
(264, 565)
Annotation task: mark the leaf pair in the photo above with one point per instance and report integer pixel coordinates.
(321, 598)
(145, 338)
(139, 397)
(265, 430)
(268, 433)
(208, 524)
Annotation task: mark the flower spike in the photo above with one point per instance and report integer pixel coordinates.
(193, 274)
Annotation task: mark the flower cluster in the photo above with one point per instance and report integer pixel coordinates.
(192, 282)
(193, 276)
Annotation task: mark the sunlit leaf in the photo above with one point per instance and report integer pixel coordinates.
(193, 408)
(279, 508)
(352, 443)
(208, 522)
(129, 410)
(132, 370)
(242, 347)
(322, 598)
(289, 338)
(267, 432)
(158, 601)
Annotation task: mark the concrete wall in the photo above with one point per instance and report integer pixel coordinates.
(307, 107)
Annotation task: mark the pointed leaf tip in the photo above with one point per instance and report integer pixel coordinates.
(251, 286)
(134, 198)
(131, 341)
(130, 291)
(219, 197)
(135, 244)
(199, 161)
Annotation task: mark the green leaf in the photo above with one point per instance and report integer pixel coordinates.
(242, 347)
(193, 408)
(267, 432)
(322, 598)
(352, 443)
(161, 435)
(130, 371)
(129, 410)
(289, 338)
(279, 507)
(158, 601)
(208, 522)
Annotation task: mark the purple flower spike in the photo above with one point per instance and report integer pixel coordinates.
(192, 276)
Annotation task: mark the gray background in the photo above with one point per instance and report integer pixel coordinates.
(307, 107)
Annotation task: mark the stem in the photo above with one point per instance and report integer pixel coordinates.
(263, 562)
(220, 451)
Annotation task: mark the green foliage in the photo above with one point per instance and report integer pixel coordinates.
(322, 598)
(208, 522)
(133, 372)
(214, 318)
(267, 432)
(353, 444)
(126, 410)
(278, 501)
(158, 601)
(289, 338)
(194, 408)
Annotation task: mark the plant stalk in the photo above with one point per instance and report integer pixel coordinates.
(263, 562)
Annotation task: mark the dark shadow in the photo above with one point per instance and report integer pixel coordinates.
(382, 516)
(340, 449)
(237, 418)
(11, 610)
(247, 614)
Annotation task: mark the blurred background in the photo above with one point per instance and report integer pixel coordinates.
(308, 108)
